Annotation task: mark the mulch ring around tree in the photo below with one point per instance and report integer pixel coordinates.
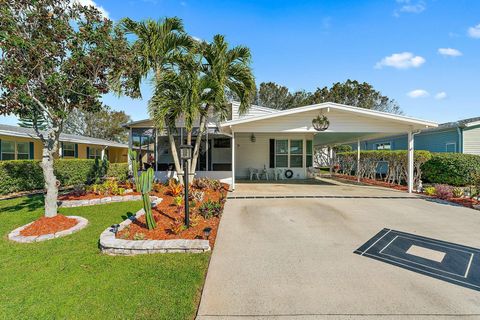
(47, 225)
(170, 219)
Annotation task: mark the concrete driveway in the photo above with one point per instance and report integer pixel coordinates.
(293, 258)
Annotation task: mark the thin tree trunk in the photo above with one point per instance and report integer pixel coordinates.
(176, 160)
(50, 147)
(196, 150)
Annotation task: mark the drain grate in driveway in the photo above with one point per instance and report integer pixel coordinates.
(320, 197)
(446, 261)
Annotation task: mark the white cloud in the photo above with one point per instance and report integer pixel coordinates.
(87, 3)
(441, 95)
(407, 6)
(404, 60)
(474, 32)
(418, 93)
(450, 52)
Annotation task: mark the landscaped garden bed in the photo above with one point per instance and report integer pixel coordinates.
(206, 201)
(46, 228)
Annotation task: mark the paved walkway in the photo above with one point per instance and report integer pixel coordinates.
(293, 258)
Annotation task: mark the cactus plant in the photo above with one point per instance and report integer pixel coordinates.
(132, 154)
(145, 182)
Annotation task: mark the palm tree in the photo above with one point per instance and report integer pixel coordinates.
(224, 70)
(180, 92)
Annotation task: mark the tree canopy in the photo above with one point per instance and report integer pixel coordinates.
(350, 92)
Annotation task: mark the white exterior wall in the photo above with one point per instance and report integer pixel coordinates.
(254, 111)
(471, 141)
(256, 154)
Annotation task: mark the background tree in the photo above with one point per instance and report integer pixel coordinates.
(103, 124)
(56, 57)
(350, 92)
(33, 119)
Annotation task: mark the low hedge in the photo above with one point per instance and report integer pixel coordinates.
(26, 175)
(455, 169)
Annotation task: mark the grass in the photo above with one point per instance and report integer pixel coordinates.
(68, 278)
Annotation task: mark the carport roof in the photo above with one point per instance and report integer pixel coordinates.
(330, 105)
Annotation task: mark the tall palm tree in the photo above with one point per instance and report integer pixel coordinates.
(180, 92)
(224, 69)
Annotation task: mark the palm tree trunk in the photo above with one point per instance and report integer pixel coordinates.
(196, 149)
(176, 160)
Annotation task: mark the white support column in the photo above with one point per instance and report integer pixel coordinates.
(156, 150)
(103, 153)
(130, 145)
(330, 159)
(233, 160)
(358, 160)
(410, 161)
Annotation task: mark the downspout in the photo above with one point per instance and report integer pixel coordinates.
(460, 139)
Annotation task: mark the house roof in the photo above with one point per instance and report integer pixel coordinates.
(326, 105)
(15, 131)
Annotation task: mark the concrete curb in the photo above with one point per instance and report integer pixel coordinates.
(110, 245)
(93, 202)
(17, 237)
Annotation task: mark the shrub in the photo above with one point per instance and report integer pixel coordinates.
(443, 191)
(174, 188)
(454, 169)
(210, 209)
(198, 195)
(430, 191)
(27, 175)
(118, 171)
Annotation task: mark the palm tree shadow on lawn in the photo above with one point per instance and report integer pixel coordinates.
(29, 203)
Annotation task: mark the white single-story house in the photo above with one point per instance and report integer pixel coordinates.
(266, 139)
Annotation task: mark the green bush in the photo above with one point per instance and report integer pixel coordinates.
(26, 175)
(454, 169)
(118, 170)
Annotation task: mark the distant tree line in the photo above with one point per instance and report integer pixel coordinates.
(350, 92)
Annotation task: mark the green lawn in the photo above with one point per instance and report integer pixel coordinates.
(68, 278)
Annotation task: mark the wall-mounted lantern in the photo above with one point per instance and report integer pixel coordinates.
(253, 138)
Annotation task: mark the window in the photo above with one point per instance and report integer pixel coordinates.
(296, 153)
(68, 150)
(281, 153)
(451, 147)
(221, 143)
(95, 153)
(23, 151)
(8, 150)
(383, 146)
(309, 153)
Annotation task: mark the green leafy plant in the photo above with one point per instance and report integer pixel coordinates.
(443, 191)
(174, 188)
(145, 183)
(177, 201)
(197, 195)
(429, 191)
(210, 209)
(177, 226)
(139, 236)
(455, 169)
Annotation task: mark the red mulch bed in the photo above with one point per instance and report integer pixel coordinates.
(166, 213)
(466, 202)
(373, 182)
(46, 225)
(89, 196)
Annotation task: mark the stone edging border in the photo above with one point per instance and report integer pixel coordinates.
(110, 245)
(92, 202)
(17, 237)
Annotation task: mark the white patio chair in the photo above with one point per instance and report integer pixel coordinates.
(253, 173)
(279, 174)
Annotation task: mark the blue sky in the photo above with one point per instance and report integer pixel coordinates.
(423, 53)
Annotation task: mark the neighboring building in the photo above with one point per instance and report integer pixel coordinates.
(462, 136)
(266, 139)
(17, 143)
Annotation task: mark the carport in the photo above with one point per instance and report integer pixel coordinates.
(283, 139)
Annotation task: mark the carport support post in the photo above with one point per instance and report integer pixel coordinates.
(358, 160)
(410, 162)
(233, 160)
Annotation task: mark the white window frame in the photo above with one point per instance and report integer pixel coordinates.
(283, 154)
(290, 154)
(377, 145)
(450, 143)
(95, 153)
(63, 150)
